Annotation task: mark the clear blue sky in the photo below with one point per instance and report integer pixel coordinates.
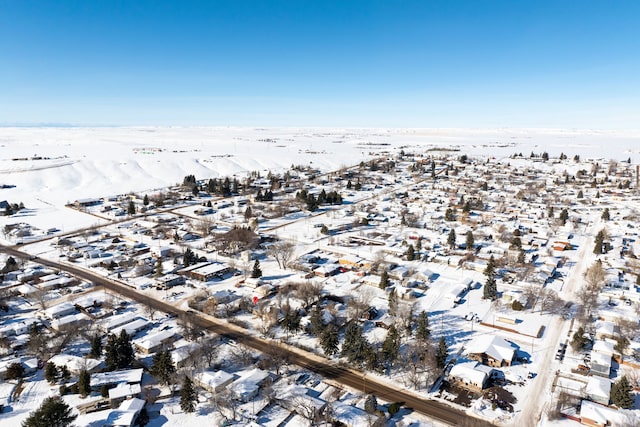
(423, 63)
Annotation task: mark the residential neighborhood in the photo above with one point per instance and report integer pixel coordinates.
(505, 290)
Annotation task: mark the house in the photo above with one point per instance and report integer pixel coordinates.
(206, 271)
(60, 310)
(169, 281)
(351, 416)
(154, 342)
(327, 270)
(297, 398)
(76, 364)
(123, 391)
(598, 389)
(126, 415)
(596, 415)
(72, 321)
(246, 387)
(214, 382)
(607, 330)
(128, 376)
(470, 375)
(600, 364)
(495, 351)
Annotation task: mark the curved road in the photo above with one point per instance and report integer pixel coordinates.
(344, 375)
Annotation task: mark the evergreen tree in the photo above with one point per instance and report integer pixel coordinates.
(291, 320)
(442, 353)
(393, 302)
(329, 340)
(470, 241)
(451, 239)
(411, 253)
(53, 412)
(315, 320)
(606, 216)
(96, 347)
(64, 373)
(371, 404)
(384, 280)
(125, 350)
(490, 287)
(391, 345)
(521, 256)
(599, 243)
(162, 367)
(131, 209)
(188, 396)
(14, 371)
(145, 200)
(422, 330)
(257, 271)
(84, 383)
(158, 268)
(580, 194)
(485, 186)
(564, 216)
(355, 347)
(622, 393)
(51, 372)
(111, 353)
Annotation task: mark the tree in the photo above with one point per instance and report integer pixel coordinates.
(384, 280)
(451, 239)
(606, 216)
(131, 209)
(411, 253)
(329, 340)
(316, 324)
(118, 351)
(355, 346)
(442, 353)
(188, 396)
(96, 347)
(470, 241)
(391, 345)
(15, 371)
(53, 412)
(622, 393)
(256, 272)
(371, 404)
(579, 341)
(580, 194)
(490, 290)
(422, 330)
(393, 302)
(282, 252)
(598, 247)
(162, 367)
(158, 269)
(145, 200)
(51, 372)
(84, 383)
(564, 216)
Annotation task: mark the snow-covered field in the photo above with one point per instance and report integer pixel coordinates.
(50, 167)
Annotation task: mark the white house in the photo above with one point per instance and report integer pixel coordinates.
(214, 382)
(598, 389)
(126, 415)
(247, 386)
(471, 375)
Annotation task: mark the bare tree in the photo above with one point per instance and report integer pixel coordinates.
(282, 251)
(358, 303)
(308, 292)
(191, 331)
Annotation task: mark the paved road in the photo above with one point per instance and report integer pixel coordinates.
(341, 374)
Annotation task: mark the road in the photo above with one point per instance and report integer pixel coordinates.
(312, 362)
(539, 394)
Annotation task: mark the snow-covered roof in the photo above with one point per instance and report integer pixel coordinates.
(75, 363)
(352, 416)
(124, 390)
(598, 413)
(496, 347)
(115, 377)
(468, 372)
(604, 347)
(598, 386)
(214, 380)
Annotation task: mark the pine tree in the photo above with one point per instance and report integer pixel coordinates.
(188, 396)
(316, 323)
(384, 280)
(257, 271)
(329, 340)
(371, 404)
(451, 239)
(470, 241)
(145, 200)
(125, 350)
(411, 253)
(606, 216)
(490, 290)
(84, 383)
(131, 209)
(96, 347)
(580, 194)
(391, 345)
(64, 373)
(162, 367)
(422, 330)
(111, 353)
(622, 393)
(393, 302)
(564, 216)
(53, 412)
(442, 353)
(599, 243)
(51, 372)
(521, 256)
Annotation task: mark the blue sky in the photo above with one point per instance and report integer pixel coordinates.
(424, 63)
